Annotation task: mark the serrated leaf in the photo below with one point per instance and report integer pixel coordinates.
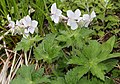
(72, 77)
(106, 49)
(95, 80)
(75, 74)
(28, 71)
(48, 50)
(29, 75)
(108, 65)
(26, 43)
(20, 80)
(88, 50)
(98, 72)
(77, 60)
(59, 80)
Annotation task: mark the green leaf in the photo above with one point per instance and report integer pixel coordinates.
(72, 77)
(114, 55)
(94, 80)
(98, 72)
(110, 42)
(81, 70)
(20, 80)
(29, 75)
(62, 38)
(37, 77)
(85, 32)
(26, 43)
(108, 65)
(28, 71)
(91, 50)
(77, 60)
(48, 50)
(59, 80)
(106, 49)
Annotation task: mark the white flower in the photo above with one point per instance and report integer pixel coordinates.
(29, 24)
(11, 24)
(20, 24)
(19, 27)
(55, 13)
(73, 18)
(88, 18)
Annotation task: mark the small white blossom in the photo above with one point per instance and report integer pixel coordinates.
(55, 13)
(29, 24)
(73, 18)
(11, 23)
(88, 18)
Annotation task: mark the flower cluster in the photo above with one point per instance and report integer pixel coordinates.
(73, 18)
(24, 26)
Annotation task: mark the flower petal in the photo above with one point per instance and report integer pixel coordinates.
(27, 18)
(34, 23)
(70, 14)
(58, 12)
(86, 17)
(77, 13)
(93, 15)
(55, 18)
(79, 19)
(11, 24)
(31, 29)
(53, 8)
(73, 24)
(26, 21)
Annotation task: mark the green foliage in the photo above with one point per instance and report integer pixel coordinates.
(74, 56)
(95, 56)
(76, 38)
(95, 81)
(48, 50)
(26, 43)
(28, 75)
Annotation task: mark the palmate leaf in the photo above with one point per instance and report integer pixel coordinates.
(92, 50)
(48, 50)
(20, 80)
(72, 76)
(95, 54)
(28, 70)
(28, 75)
(26, 43)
